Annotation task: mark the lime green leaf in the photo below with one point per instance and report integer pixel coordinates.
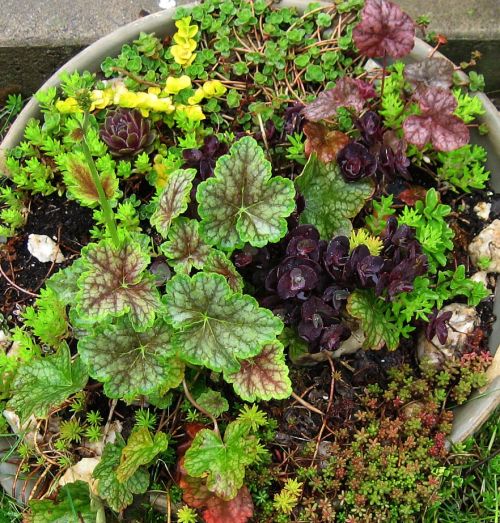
(141, 449)
(79, 181)
(115, 283)
(241, 202)
(118, 495)
(222, 462)
(185, 249)
(376, 319)
(131, 363)
(46, 382)
(213, 402)
(72, 506)
(330, 202)
(173, 200)
(215, 326)
(264, 376)
(219, 263)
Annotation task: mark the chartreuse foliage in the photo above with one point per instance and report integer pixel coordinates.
(173, 200)
(223, 460)
(215, 326)
(213, 402)
(73, 505)
(46, 382)
(118, 494)
(141, 449)
(242, 202)
(330, 202)
(131, 363)
(115, 283)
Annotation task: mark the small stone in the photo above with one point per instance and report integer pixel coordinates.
(462, 323)
(353, 343)
(482, 209)
(44, 249)
(486, 245)
(81, 471)
(480, 277)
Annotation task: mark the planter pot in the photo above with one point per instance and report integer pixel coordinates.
(469, 416)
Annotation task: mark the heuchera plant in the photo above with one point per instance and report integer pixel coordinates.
(223, 215)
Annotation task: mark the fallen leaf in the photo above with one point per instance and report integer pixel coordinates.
(325, 143)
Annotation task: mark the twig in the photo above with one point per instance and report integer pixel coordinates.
(306, 404)
(29, 293)
(108, 422)
(132, 76)
(199, 407)
(329, 405)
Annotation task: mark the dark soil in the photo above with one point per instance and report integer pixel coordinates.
(65, 222)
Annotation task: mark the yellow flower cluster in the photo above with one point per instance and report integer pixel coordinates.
(363, 237)
(183, 50)
(155, 99)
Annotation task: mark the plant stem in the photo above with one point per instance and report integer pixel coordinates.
(109, 217)
(199, 407)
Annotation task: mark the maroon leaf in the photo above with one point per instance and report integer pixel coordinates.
(346, 93)
(237, 510)
(434, 72)
(384, 30)
(325, 143)
(436, 124)
(412, 195)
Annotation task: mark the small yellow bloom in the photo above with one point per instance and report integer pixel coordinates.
(160, 105)
(175, 85)
(68, 106)
(197, 97)
(212, 88)
(101, 98)
(192, 112)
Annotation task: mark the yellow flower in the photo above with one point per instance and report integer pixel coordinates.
(213, 88)
(101, 98)
(363, 237)
(192, 112)
(197, 96)
(160, 105)
(175, 85)
(68, 106)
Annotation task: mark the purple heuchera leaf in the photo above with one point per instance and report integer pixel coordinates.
(437, 326)
(384, 30)
(356, 162)
(434, 72)
(204, 158)
(436, 124)
(348, 92)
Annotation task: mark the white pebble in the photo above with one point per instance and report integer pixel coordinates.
(44, 249)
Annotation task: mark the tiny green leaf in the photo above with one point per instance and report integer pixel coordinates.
(213, 401)
(46, 382)
(118, 495)
(264, 376)
(141, 449)
(330, 202)
(216, 326)
(115, 283)
(185, 249)
(219, 263)
(242, 202)
(173, 200)
(376, 319)
(222, 462)
(131, 363)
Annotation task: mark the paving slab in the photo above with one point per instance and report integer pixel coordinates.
(37, 36)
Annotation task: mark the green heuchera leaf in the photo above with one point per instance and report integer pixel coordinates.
(46, 382)
(115, 283)
(173, 200)
(79, 181)
(222, 462)
(213, 401)
(241, 203)
(219, 263)
(185, 249)
(141, 449)
(216, 326)
(131, 363)
(118, 495)
(330, 202)
(72, 506)
(376, 319)
(264, 376)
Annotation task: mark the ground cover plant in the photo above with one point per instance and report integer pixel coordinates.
(253, 303)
